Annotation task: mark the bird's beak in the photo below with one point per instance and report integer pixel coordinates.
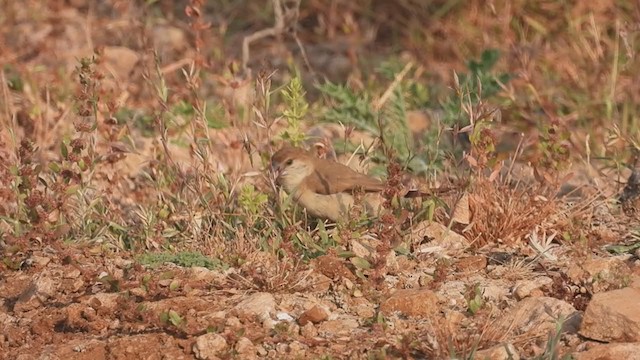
(276, 171)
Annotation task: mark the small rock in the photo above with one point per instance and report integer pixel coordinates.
(411, 302)
(333, 267)
(348, 283)
(261, 351)
(391, 263)
(233, 322)
(245, 348)
(282, 348)
(137, 291)
(336, 328)
(41, 261)
(45, 287)
(27, 300)
(613, 316)
(258, 304)
(314, 315)
(537, 316)
(293, 328)
(363, 248)
(602, 273)
(297, 349)
(309, 331)
(363, 308)
(42, 288)
(71, 274)
(471, 264)
(405, 264)
(440, 237)
(283, 316)
(495, 291)
(526, 288)
(453, 292)
(615, 351)
(499, 352)
(319, 282)
(203, 274)
(104, 301)
(209, 346)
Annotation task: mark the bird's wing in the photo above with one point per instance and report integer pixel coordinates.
(341, 178)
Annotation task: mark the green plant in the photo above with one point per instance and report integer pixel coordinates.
(185, 259)
(551, 350)
(475, 301)
(252, 201)
(295, 112)
(171, 317)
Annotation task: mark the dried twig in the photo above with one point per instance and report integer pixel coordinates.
(286, 19)
(377, 105)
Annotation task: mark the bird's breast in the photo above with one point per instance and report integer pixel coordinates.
(335, 207)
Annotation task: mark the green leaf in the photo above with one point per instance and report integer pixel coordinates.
(64, 151)
(175, 284)
(175, 318)
(360, 263)
(55, 167)
(72, 189)
(475, 304)
(622, 249)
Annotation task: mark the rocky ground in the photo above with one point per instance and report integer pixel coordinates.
(71, 302)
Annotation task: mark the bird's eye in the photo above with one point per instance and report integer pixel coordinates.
(289, 162)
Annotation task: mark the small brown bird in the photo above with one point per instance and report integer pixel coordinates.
(325, 188)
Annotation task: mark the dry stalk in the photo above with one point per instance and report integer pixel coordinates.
(286, 19)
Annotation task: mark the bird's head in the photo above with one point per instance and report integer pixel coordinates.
(291, 166)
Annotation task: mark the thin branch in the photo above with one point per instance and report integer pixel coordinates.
(377, 105)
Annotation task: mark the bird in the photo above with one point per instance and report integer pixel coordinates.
(325, 188)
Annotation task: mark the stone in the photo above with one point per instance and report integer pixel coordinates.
(613, 316)
(471, 264)
(245, 348)
(297, 349)
(410, 302)
(205, 275)
(333, 267)
(319, 282)
(314, 315)
(309, 331)
(71, 273)
(538, 316)
(209, 346)
(339, 327)
(441, 239)
(602, 274)
(257, 304)
(614, 351)
(363, 248)
(363, 308)
(526, 288)
(104, 301)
